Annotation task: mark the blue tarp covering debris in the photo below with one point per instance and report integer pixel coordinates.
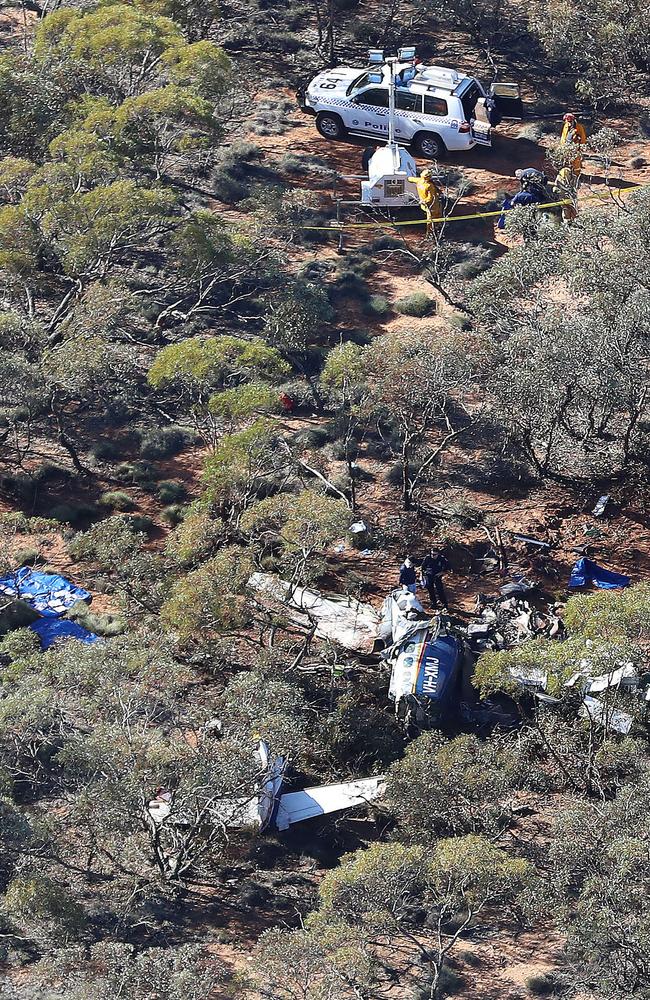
(47, 593)
(51, 596)
(585, 571)
(50, 630)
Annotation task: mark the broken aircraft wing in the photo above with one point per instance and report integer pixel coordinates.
(343, 620)
(294, 807)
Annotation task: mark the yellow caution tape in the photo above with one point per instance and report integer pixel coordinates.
(338, 226)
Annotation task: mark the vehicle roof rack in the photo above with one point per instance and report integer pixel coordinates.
(440, 76)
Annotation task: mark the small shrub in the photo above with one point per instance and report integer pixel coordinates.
(337, 450)
(21, 487)
(394, 474)
(378, 449)
(74, 514)
(360, 337)
(283, 41)
(104, 450)
(385, 243)
(542, 985)
(48, 471)
(24, 525)
(450, 982)
(141, 474)
(533, 132)
(163, 442)
(350, 284)
(21, 642)
(116, 500)
(358, 263)
(106, 625)
(418, 304)
(314, 437)
(171, 491)
(638, 162)
(27, 556)
(173, 514)
(377, 305)
(140, 522)
(460, 321)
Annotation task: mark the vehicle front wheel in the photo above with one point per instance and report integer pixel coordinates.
(429, 145)
(330, 126)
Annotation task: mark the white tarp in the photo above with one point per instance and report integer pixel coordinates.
(343, 620)
(295, 807)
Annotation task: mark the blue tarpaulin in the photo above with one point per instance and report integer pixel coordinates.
(585, 571)
(47, 593)
(50, 630)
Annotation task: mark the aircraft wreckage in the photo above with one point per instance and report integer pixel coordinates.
(431, 659)
(431, 662)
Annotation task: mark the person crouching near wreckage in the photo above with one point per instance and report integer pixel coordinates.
(534, 190)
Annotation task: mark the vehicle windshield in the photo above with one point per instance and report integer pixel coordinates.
(363, 81)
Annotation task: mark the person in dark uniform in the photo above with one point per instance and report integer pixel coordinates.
(432, 569)
(407, 575)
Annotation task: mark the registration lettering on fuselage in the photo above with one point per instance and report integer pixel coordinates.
(430, 675)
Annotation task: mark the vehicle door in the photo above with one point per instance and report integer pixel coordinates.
(474, 110)
(507, 100)
(406, 125)
(369, 113)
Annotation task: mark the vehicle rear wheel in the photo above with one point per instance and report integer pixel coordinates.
(429, 145)
(330, 126)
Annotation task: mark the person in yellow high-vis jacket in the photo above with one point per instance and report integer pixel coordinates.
(429, 195)
(574, 132)
(564, 188)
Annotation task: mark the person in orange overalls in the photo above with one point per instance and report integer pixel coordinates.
(574, 132)
(430, 197)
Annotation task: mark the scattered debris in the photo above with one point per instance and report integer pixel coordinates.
(508, 621)
(47, 593)
(601, 505)
(530, 541)
(585, 571)
(343, 620)
(518, 585)
(51, 630)
(358, 527)
(613, 718)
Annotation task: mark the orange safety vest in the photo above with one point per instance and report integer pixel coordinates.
(574, 133)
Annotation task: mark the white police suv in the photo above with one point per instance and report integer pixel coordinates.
(436, 109)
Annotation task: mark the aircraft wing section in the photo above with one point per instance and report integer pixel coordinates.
(297, 806)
